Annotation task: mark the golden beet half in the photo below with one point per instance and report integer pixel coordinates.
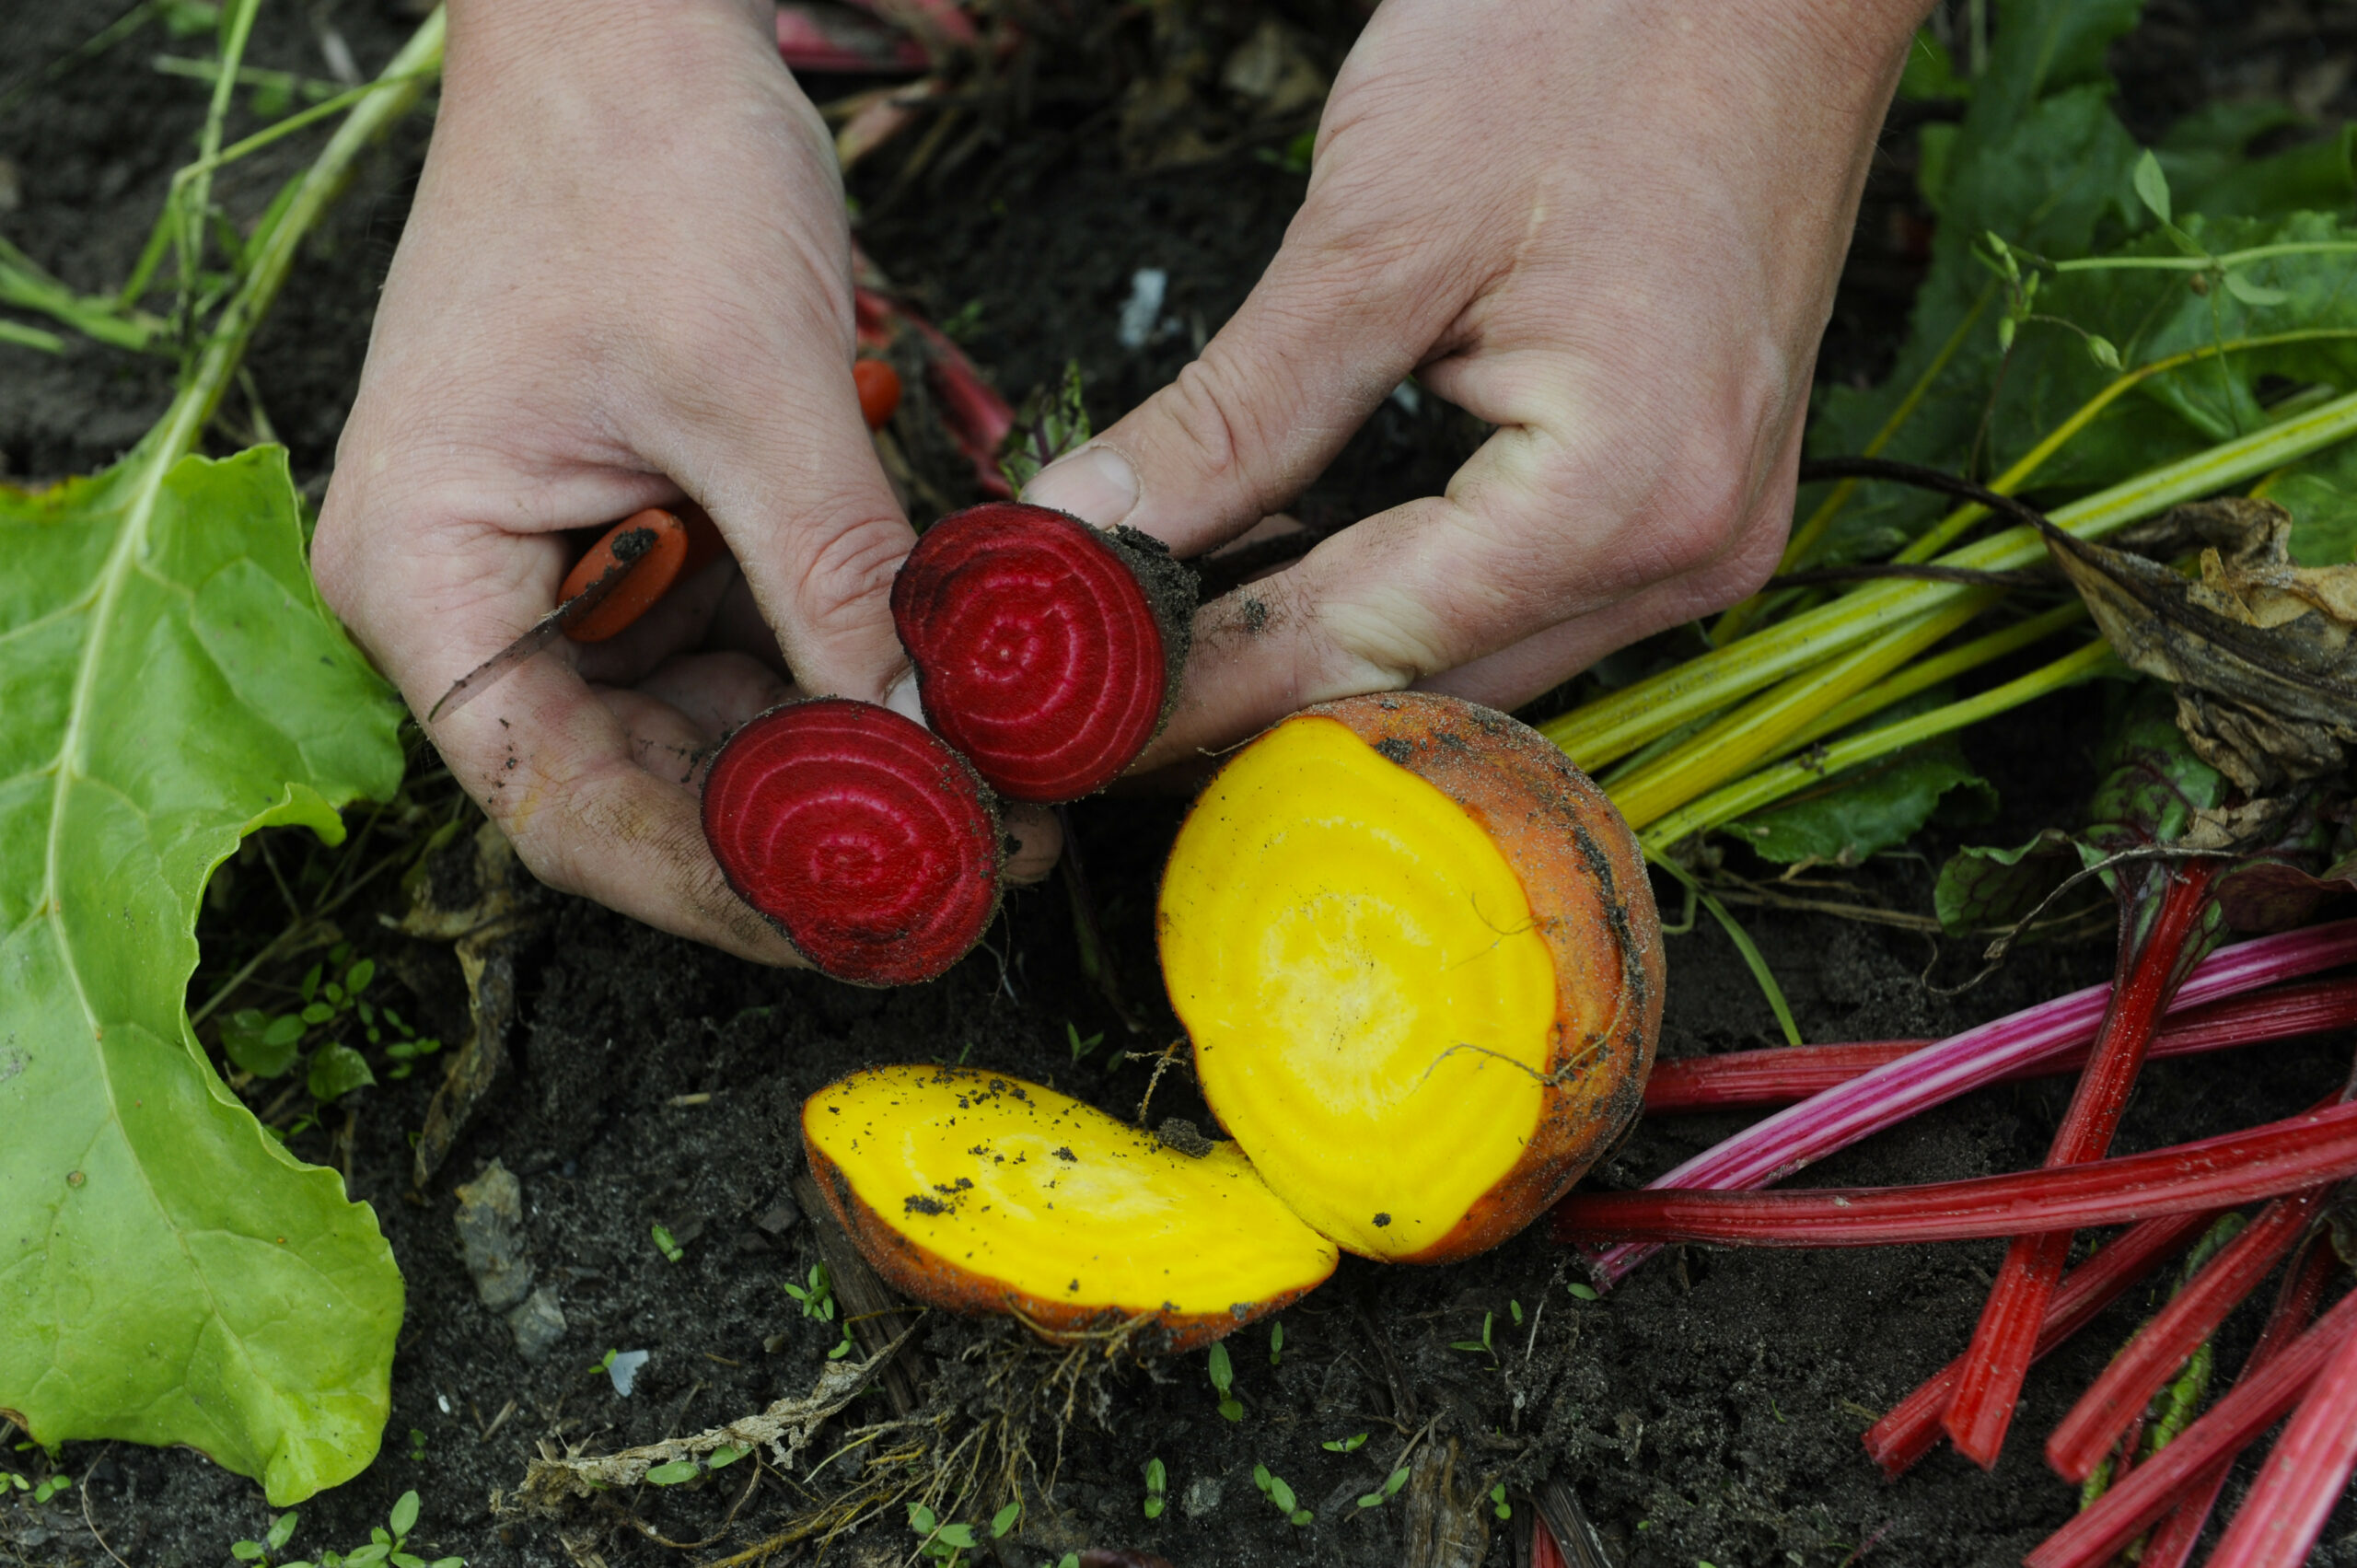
(981, 1192)
(1417, 952)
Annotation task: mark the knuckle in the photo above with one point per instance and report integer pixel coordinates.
(1204, 411)
(849, 571)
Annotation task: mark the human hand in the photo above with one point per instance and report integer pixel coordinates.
(625, 278)
(1611, 230)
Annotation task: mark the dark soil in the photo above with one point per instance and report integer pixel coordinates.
(1707, 1411)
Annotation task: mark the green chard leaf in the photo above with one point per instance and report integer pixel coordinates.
(1984, 888)
(2321, 495)
(2153, 314)
(1869, 809)
(168, 1272)
(2204, 159)
(2039, 158)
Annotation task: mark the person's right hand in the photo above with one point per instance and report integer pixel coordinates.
(625, 277)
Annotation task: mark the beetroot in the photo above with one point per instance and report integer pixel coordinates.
(868, 842)
(1047, 651)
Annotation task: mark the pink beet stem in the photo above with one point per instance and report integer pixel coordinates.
(2171, 1544)
(2215, 1173)
(811, 41)
(1997, 1359)
(1783, 1073)
(2304, 1474)
(977, 418)
(971, 406)
(944, 19)
(2256, 1401)
(1801, 1134)
(1908, 1432)
(2152, 1357)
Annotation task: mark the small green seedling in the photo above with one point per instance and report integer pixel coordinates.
(1481, 1345)
(388, 1543)
(324, 1033)
(818, 1298)
(1584, 1292)
(1514, 1308)
(948, 1543)
(42, 1490)
(1350, 1445)
(670, 1248)
(1157, 1483)
(1498, 1499)
(1388, 1491)
(943, 1543)
(681, 1470)
(1276, 1345)
(818, 1301)
(1081, 1047)
(416, 1446)
(282, 1531)
(1274, 1488)
(1223, 1373)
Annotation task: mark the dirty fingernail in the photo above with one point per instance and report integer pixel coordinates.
(1096, 484)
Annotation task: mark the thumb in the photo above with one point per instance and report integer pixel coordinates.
(1329, 330)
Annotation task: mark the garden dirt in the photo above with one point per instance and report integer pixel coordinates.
(1707, 1411)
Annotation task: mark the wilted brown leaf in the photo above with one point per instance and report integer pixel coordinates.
(2263, 652)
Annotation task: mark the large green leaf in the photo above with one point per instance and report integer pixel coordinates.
(1869, 809)
(2203, 156)
(2321, 495)
(2152, 315)
(2041, 158)
(170, 681)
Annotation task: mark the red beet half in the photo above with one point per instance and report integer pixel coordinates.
(1047, 651)
(873, 846)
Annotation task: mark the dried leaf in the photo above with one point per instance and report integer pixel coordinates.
(2260, 650)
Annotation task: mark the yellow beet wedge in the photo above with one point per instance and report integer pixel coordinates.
(1417, 955)
(981, 1192)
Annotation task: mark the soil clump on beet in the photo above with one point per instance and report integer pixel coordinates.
(1709, 1408)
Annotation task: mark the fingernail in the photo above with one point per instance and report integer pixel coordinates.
(1096, 484)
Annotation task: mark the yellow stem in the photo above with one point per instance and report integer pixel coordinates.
(1930, 672)
(1771, 784)
(1937, 538)
(1615, 726)
(1768, 725)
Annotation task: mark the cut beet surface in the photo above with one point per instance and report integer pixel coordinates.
(868, 842)
(1047, 651)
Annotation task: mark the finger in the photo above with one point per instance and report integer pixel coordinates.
(761, 423)
(547, 759)
(1534, 541)
(683, 618)
(1526, 669)
(601, 806)
(1039, 839)
(1341, 316)
(716, 691)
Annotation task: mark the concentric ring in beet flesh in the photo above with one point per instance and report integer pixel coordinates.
(1038, 652)
(871, 845)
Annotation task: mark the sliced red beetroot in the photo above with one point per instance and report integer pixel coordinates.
(1047, 651)
(871, 845)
